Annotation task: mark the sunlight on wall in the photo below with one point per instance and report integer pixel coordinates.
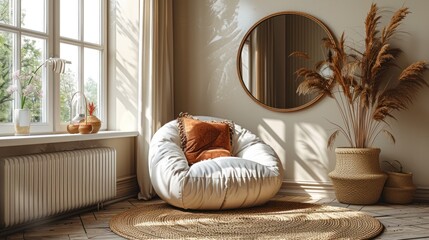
(221, 40)
(273, 132)
(310, 147)
(123, 65)
(125, 119)
(309, 158)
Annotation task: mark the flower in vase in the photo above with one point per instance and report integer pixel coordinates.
(27, 84)
(11, 89)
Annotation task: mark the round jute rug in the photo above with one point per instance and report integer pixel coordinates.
(274, 220)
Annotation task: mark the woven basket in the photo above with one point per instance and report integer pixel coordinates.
(399, 188)
(357, 176)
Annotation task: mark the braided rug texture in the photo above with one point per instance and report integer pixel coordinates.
(274, 220)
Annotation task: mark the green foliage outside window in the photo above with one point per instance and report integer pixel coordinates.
(31, 57)
(5, 78)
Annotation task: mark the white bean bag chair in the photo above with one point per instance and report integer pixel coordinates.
(250, 177)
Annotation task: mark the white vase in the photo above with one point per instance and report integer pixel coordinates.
(22, 120)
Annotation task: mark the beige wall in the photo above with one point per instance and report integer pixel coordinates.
(123, 28)
(122, 55)
(207, 35)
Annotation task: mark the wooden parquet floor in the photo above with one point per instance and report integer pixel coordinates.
(400, 221)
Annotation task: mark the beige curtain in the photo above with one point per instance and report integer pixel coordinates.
(264, 52)
(155, 81)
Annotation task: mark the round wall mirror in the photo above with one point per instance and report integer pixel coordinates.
(265, 67)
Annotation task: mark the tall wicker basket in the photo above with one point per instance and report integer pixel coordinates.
(357, 176)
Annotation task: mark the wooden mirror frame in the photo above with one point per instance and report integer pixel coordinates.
(239, 65)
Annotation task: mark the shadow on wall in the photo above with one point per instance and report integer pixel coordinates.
(222, 44)
(310, 148)
(310, 156)
(124, 82)
(206, 40)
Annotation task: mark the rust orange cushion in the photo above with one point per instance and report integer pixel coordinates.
(202, 140)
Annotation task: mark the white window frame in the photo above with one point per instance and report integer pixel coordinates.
(8, 128)
(52, 49)
(61, 127)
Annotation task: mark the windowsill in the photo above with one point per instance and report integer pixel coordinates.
(8, 141)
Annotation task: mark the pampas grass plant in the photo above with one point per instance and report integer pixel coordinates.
(365, 97)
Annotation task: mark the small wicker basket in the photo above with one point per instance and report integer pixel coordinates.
(399, 188)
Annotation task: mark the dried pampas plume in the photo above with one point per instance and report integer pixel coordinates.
(364, 98)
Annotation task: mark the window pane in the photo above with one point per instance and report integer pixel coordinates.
(69, 80)
(7, 12)
(32, 87)
(92, 77)
(92, 21)
(92, 61)
(69, 19)
(6, 83)
(33, 15)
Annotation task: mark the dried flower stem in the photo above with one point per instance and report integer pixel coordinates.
(363, 105)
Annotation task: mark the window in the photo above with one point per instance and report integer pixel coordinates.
(32, 31)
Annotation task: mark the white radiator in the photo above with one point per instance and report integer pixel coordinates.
(41, 185)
